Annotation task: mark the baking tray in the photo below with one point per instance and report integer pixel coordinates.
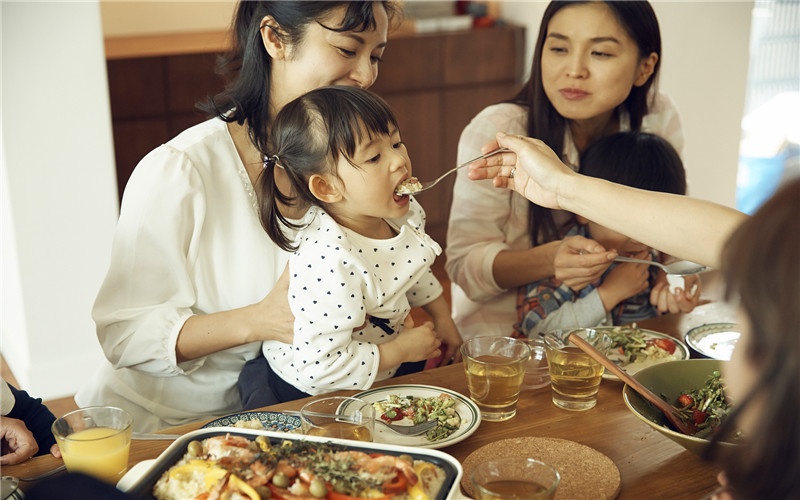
(142, 488)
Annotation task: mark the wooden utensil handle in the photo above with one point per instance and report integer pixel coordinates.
(619, 372)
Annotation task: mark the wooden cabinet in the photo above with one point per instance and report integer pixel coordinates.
(434, 82)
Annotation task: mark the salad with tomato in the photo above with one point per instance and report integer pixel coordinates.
(630, 345)
(705, 407)
(440, 408)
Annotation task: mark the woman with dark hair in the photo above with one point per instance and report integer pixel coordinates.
(758, 259)
(194, 283)
(594, 72)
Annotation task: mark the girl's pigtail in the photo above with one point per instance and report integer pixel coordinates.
(272, 220)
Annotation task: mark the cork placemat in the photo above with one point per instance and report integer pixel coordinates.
(585, 472)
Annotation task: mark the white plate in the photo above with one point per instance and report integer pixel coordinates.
(134, 474)
(467, 410)
(269, 420)
(714, 340)
(681, 350)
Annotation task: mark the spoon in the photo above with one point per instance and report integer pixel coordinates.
(677, 268)
(413, 186)
(669, 411)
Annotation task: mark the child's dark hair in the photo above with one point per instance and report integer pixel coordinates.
(308, 137)
(637, 159)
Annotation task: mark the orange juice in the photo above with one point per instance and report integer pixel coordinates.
(98, 451)
(341, 430)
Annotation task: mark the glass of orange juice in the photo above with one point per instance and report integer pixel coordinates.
(95, 440)
(339, 417)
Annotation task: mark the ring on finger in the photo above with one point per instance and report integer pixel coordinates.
(511, 174)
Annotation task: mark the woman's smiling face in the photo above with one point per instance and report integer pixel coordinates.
(589, 62)
(326, 57)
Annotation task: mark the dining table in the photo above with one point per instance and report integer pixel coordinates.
(650, 464)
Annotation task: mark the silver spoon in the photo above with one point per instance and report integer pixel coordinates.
(413, 186)
(677, 268)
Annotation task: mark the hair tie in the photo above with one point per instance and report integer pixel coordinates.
(272, 161)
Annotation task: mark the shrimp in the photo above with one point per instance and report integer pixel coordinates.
(236, 447)
(380, 465)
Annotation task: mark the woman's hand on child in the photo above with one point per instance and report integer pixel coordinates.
(580, 261)
(275, 313)
(18, 440)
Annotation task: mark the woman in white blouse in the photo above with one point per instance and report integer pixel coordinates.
(594, 71)
(195, 284)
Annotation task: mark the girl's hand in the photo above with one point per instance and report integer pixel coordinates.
(414, 343)
(682, 301)
(446, 330)
(451, 341)
(580, 261)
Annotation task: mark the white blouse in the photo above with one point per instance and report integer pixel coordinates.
(485, 220)
(188, 241)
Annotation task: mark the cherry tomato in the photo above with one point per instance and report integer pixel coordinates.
(665, 344)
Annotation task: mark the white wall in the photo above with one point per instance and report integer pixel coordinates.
(704, 70)
(59, 202)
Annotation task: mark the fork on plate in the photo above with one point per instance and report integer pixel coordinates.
(410, 430)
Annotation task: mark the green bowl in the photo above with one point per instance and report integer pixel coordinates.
(669, 380)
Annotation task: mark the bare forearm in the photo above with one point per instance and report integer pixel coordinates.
(206, 334)
(513, 268)
(686, 227)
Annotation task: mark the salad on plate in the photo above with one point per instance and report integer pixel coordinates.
(415, 409)
(633, 348)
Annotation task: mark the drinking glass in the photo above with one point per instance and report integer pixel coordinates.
(339, 417)
(574, 375)
(495, 367)
(537, 374)
(516, 477)
(95, 440)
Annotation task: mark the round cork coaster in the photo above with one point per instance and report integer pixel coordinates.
(585, 472)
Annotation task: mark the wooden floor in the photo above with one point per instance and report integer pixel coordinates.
(65, 405)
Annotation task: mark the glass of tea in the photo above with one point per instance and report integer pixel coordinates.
(339, 417)
(516, 477)
(95, 440)
(574, 375)
(495, 367)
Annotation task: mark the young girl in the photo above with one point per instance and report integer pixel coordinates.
(361, 256)
(594, 71)
(626, 292)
